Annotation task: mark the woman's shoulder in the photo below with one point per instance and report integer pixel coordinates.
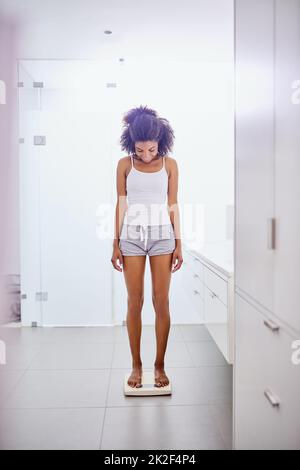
(171, 163)
(169, 159)
(124, 160)
(124, 164)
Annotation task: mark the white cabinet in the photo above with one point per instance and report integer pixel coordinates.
(287, 163)
(254, 147)
(192, 278)
(267, 150)
(216, 320)
(216, 284)
(211, 290)
(267, 383)
(219, 310)
(267, 225)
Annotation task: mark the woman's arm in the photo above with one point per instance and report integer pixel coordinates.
(172, 199)
(121, 205)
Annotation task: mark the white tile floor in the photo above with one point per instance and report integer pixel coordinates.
(62, 388)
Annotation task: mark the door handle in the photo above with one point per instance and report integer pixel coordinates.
(271, 233)
(271, 325)
(275, 402)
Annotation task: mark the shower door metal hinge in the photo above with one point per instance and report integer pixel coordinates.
(21, 140)
(20, 84)
(111, 85)
(41, 296)
(39, 140)
(34, 324)
(124, 323)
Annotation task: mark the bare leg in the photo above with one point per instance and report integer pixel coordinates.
(134, 269)
(161, 266)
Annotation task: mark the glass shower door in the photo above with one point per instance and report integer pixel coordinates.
(69, 150)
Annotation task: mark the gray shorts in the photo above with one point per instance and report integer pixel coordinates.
(136, 240)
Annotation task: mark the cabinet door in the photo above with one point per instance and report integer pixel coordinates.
(216, 321)
(266, 383)
(254, 147)
(287, 162)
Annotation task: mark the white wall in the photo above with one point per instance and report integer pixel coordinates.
(197, 99)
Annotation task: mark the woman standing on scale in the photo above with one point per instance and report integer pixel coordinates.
(147, 224)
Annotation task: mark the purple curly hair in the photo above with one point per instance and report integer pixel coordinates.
(143, 124)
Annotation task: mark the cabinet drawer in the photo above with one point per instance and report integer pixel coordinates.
(198, 287)
(216, 284)
(192, 280)
(193, 286)
(194, 289)
(267, 384)
(197, 277)
(198, 269)
(216, 320)
(198, 303)
(188, 276)
(215, 310)
(188, 258)
(194, 264)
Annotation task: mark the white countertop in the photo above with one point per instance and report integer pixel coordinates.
(218, 254)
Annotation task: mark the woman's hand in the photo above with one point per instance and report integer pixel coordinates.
(177, 255)
(117, 255)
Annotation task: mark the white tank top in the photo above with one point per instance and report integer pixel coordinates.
(147, 197)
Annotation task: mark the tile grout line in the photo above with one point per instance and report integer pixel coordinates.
(210, 406)
(177, 405)
(107, 392)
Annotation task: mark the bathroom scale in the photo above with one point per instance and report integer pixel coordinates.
(148, 387)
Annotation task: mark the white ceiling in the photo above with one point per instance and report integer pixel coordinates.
(173, 29)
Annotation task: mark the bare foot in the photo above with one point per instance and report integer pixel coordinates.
(161, 380)
(135, 379)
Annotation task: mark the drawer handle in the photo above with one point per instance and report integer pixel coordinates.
(213, 295)
(275, 402)
(196, 292)
(271, 325)
(196, 275)
(271, 233)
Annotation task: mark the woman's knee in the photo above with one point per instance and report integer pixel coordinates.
(160, 299)
(135, 299)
